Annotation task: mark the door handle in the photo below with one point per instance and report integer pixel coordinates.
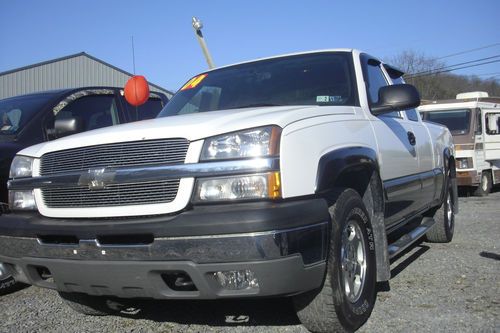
(411, 138)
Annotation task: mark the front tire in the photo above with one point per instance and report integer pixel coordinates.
(7, 285)
(347, 296)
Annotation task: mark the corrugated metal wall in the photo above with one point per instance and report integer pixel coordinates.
(71, 72)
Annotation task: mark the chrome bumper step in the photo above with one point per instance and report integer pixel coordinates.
(411, 237)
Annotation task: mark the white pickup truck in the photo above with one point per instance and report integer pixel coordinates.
(296, 176)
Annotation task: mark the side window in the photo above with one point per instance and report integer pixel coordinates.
(492, 123)
(376, 80)
(398, 80)
(412, 115)
(95, 111)
(148, 110)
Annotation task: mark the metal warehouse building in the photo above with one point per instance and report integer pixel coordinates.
(77, 70)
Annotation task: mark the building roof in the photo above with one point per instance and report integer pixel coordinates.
(75, 56)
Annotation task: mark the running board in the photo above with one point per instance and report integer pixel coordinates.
(406, 240)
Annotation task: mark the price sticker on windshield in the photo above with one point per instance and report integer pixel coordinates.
(194, 82)
(328, 99)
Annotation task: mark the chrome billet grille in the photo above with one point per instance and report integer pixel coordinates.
(113, 195)
(115, 155)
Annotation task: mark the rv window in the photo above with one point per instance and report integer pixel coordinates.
(492, 123)
(457, 121)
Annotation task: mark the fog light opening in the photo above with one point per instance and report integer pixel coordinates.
(22, 200)
(237, 280)
(44, 273)
(179, 281)
(4, 271)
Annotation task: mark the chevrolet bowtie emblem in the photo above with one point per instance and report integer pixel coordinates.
(96, 179)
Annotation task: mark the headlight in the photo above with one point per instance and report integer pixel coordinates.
(22, 200)
(256, 142)
(245, 187)
(22, 166)
(464, 163)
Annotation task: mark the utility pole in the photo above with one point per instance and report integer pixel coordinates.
(197, 26)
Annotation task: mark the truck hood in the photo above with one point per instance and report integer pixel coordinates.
(193, 127)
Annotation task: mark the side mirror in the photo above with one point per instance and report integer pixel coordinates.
(67, 126)
(395, 98)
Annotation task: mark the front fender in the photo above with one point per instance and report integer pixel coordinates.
(334, 163)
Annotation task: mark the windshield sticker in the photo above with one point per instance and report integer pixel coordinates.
(328, 99)
(194, 82)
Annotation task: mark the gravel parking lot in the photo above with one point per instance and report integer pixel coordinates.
(435, 287)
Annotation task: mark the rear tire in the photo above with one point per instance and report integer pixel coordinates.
(442, 230)
(92, 305)
(347, 296)
(7, 285)
(484, 187)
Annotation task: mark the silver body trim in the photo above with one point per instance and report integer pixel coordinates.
(407, 239)
(107, 176)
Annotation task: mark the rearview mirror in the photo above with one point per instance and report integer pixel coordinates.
(67, 126)
(395, 98)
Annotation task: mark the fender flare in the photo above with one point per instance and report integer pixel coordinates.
(334, 163)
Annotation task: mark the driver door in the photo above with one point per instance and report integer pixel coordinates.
(398, 154)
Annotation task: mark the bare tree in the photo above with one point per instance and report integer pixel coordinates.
(419, 72)
(425, 73)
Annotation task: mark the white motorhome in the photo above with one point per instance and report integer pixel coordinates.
(474, 121)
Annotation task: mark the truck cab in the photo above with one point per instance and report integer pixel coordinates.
(473, 119)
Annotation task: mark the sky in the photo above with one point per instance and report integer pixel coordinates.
(168, 54)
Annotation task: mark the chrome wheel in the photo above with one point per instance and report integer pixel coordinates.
(484, 182)
(353, 261)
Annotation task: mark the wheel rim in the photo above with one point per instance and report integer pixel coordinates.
(353, 261)
(485, 182)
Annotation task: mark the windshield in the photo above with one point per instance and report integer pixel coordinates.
(457, 121)
(15, 112)
(312, 79)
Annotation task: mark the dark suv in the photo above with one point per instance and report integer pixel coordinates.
(30, 119)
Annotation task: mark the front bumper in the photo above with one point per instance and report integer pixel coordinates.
(467, 178)
(283, 244)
